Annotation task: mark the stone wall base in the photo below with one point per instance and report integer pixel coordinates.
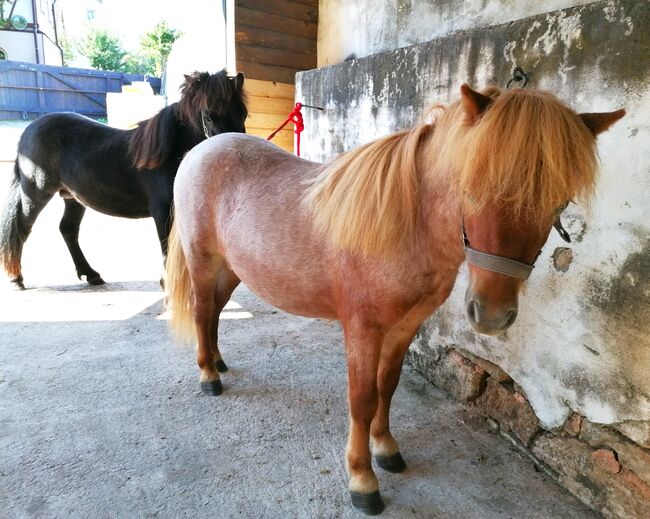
(605, 469)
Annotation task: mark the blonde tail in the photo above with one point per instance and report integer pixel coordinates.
(179, 289)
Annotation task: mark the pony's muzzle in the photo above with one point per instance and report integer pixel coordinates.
(490, 321)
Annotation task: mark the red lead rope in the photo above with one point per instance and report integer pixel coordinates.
(296, 118)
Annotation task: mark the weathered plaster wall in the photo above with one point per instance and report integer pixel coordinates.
(366, 27)
(582, 339)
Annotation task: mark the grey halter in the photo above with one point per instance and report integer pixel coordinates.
(205, 126)
(503, 265)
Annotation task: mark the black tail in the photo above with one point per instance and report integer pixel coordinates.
(12, 232)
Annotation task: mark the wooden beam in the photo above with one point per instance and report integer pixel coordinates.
(267, 72)
(307, 2)
(286, 8)
(269, 89)
(268, 105)
(267, 121)
(281, 58)
(274, 40)
(284, 139)
(275, 23)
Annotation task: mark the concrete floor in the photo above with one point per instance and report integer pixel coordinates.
(101, 415)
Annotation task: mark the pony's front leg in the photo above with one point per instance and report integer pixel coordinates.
(385, 448)
(363, 343)
(161, 211)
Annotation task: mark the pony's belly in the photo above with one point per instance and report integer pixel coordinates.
(289, 289)
(120, 208)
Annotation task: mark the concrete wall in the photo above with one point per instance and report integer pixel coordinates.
(366, 27)
(582, 340)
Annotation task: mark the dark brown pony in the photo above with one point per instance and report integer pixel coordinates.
(120, 173)
(374, 238)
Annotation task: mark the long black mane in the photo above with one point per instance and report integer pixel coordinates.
(205, 99)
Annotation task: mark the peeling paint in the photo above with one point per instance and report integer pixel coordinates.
(367, 27)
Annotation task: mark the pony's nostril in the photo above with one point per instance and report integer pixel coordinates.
(473, 311)
(512, 315)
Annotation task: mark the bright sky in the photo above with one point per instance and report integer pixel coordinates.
(129, 19)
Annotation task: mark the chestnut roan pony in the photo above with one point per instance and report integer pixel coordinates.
(375, 238)
(128, 173)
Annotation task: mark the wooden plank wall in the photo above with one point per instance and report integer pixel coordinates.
(269, 104)
(274, 39)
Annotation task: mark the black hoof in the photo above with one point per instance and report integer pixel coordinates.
(221, 366)
(17, 283)
(369, 504)
(95, 280)
(394, 463)
(212, 388)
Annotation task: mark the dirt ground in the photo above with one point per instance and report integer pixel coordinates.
(101, 414)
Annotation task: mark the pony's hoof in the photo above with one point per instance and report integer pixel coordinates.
(212, 387)
(95, 280)
(221, 366)
(369, 504)
(394, 463)
(17, 283)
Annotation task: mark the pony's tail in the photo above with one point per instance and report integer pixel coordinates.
(12, 232)
(179, 288)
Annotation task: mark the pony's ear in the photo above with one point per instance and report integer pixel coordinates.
(474, 103)
(600, 122)
(239, 81)
(194, 77)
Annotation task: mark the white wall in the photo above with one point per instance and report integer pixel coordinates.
(19, 45)
(202, 48)
(366, 27)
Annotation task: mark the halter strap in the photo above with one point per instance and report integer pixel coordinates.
(205, 126)
(499, 264)
(507, 266)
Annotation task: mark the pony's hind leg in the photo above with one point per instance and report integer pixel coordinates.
(24, 201)
(205, 270)
(69, 227)
(226, 283)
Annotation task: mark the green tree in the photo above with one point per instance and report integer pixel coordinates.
(157, 44)
(103, 49)
(138, 63)
(69, 50)
(5, 9)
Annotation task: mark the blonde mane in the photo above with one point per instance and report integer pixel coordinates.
(527, 150)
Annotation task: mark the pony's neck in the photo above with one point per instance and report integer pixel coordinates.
(440, 218)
